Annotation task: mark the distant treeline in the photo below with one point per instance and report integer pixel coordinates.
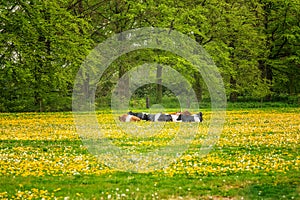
(254, 43)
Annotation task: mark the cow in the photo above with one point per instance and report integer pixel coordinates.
(159, 117)
(142, 116)
(129, 118)
(190, 118)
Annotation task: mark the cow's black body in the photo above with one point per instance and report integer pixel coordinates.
(142, 116)
(190, 118)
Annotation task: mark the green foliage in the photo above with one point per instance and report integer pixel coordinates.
(255, 44)
(41, 49)
(281, 27)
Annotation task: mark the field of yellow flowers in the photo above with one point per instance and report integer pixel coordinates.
(257, 156)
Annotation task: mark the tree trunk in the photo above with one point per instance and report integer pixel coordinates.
(198, 87)
(123, 83)
(233, 95)
(266, 73)
(123, 80)
(292, 89)
(147, 102)
(159, 84)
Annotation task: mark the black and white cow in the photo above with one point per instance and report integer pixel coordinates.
(159, 117)
(190, 118)
(142, 116)
(129, 118)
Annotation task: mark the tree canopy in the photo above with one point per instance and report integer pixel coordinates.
(255, 44)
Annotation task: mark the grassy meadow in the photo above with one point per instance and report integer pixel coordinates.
(256, 157)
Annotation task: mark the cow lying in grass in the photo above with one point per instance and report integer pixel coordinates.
(129, 118)
(185, 116)
(190, 118)
(159, 117)
(142, 115)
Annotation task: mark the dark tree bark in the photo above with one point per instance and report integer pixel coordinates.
(198, 87)
(233, 95)
(159, 84)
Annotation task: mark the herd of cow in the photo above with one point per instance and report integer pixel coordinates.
(185, 116)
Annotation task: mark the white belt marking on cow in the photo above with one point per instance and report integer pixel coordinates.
(128, 118)
(197, 119)
(156, 117)
(174, 118)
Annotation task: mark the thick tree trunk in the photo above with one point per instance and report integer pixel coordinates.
(233, 95)
(123, 83)
(147, 102)
(292, 89)
(266, 73)
(159, 84)
(198, 87)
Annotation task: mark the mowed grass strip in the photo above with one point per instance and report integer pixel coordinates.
(256, 157)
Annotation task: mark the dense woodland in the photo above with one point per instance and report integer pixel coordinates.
(254, 43)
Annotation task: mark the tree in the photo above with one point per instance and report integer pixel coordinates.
(227, 30)
(280, 24)
(42, 46)
(255, 45)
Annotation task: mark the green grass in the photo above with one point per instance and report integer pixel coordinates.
(157, 185)
(139, 186)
